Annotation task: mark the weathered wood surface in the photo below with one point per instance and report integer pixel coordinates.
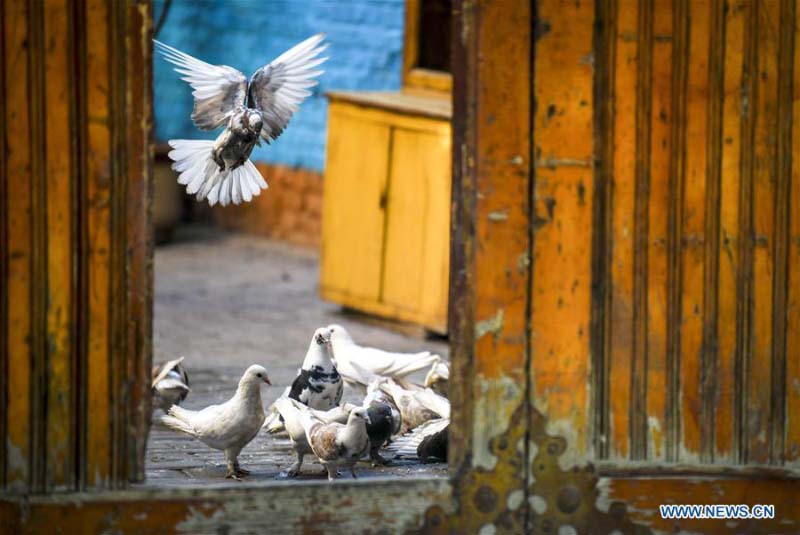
(76, 280)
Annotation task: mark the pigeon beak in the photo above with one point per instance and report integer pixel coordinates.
(266, 380)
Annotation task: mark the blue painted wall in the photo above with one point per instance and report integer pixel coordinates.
(365, 50)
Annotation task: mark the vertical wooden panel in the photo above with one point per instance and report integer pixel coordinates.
(3, 259)
(783, 164)
(489, 304)
(728, 241)
(19, 249)
(792, 436)
(660, 153)
(622, 207)
(58, 103)
(677, 170)
(644, 105)
(758, 370)
(605, 39)
(563, 199)
(709, 348)
(98, 191)
(693, 230)
(405, 222)
(139, 254)
(358, 229)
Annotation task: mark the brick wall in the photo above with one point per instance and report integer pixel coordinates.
(365, 53)
(289, 210)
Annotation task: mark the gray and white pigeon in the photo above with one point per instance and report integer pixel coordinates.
(426, 442)
(384, 420)
(170, 384)
(377, 361)
(416, 406)
(334, 444)
(228, 427)
(220, 170)
(290, 413)
(438, 378)
(318, 384)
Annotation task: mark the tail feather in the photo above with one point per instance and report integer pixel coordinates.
(202, 177)
(407, 364)
(177, 419)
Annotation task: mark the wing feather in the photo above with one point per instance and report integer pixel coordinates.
(278, 88)
(218, 89)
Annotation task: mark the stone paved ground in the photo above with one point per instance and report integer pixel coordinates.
(226, 301)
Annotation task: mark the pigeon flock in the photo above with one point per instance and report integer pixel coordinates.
(406, 419)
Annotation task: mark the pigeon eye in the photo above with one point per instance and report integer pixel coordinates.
(258, 375)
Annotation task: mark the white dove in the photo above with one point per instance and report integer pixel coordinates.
(335, 444)
(220, 170)
(228, 427)
(297, 434)
(377, 361)
(170, 384)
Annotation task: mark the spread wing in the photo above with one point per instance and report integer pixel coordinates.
(218, 89)
(278, 89)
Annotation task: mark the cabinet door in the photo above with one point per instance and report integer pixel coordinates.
(353, 214)
(415, 272)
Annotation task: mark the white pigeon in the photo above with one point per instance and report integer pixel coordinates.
(386, 363)
(228, 427)
(318, 384)
(416, 406)
(438, 377)
(170, 384)
(220, 170)
(426, 441)
(335, 444)
(297, 434)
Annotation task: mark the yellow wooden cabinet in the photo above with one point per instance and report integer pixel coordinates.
(386, 211)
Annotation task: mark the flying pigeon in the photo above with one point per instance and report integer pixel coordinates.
(335, 444)
(228, 427)
(220, 170)
(170, 384)
(346, 352)
(416, 406)
(426, 441)
(318, 384)
(297, 434)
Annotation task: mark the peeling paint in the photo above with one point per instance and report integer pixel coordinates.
(515, 499)
(537, 503)
(492, 325)
(551, 162)
(490, 422)
(523, 263)
(487, 529)
(498, 215)
(567, 530)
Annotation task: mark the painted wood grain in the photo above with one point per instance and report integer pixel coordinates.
(758, 383)
(622, 230)
(19, 252)
(728, 241)
(792, 436)
(563, 201)
(59, 371)
(98, 191)
(657, 261)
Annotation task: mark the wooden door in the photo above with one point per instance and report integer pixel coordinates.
(557, 250)
(75, 247)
